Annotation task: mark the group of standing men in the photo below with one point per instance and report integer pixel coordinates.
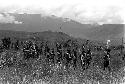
(67, 53)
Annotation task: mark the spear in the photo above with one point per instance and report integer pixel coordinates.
(122, 45)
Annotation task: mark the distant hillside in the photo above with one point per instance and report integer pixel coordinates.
(46, 35)
(38, 23)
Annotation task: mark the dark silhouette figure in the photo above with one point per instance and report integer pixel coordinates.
(16, 45)
(30, 50)
(74, 58)
(59, 56)
(86, 57)
(52, 56)
(107, 59)
(6, 42)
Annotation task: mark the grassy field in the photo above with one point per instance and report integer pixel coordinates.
(38, 71)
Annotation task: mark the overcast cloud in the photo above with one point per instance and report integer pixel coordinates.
(6, 18)
(84, 11)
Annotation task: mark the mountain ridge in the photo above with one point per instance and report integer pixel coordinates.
(38, 23)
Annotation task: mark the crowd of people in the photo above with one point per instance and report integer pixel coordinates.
(68, 53)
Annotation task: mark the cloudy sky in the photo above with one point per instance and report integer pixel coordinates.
(84, 11)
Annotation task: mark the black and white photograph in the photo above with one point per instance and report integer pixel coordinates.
(62, 41)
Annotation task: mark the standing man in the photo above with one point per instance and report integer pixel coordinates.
(106, 57)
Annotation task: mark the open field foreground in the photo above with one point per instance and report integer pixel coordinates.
(57, 58)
